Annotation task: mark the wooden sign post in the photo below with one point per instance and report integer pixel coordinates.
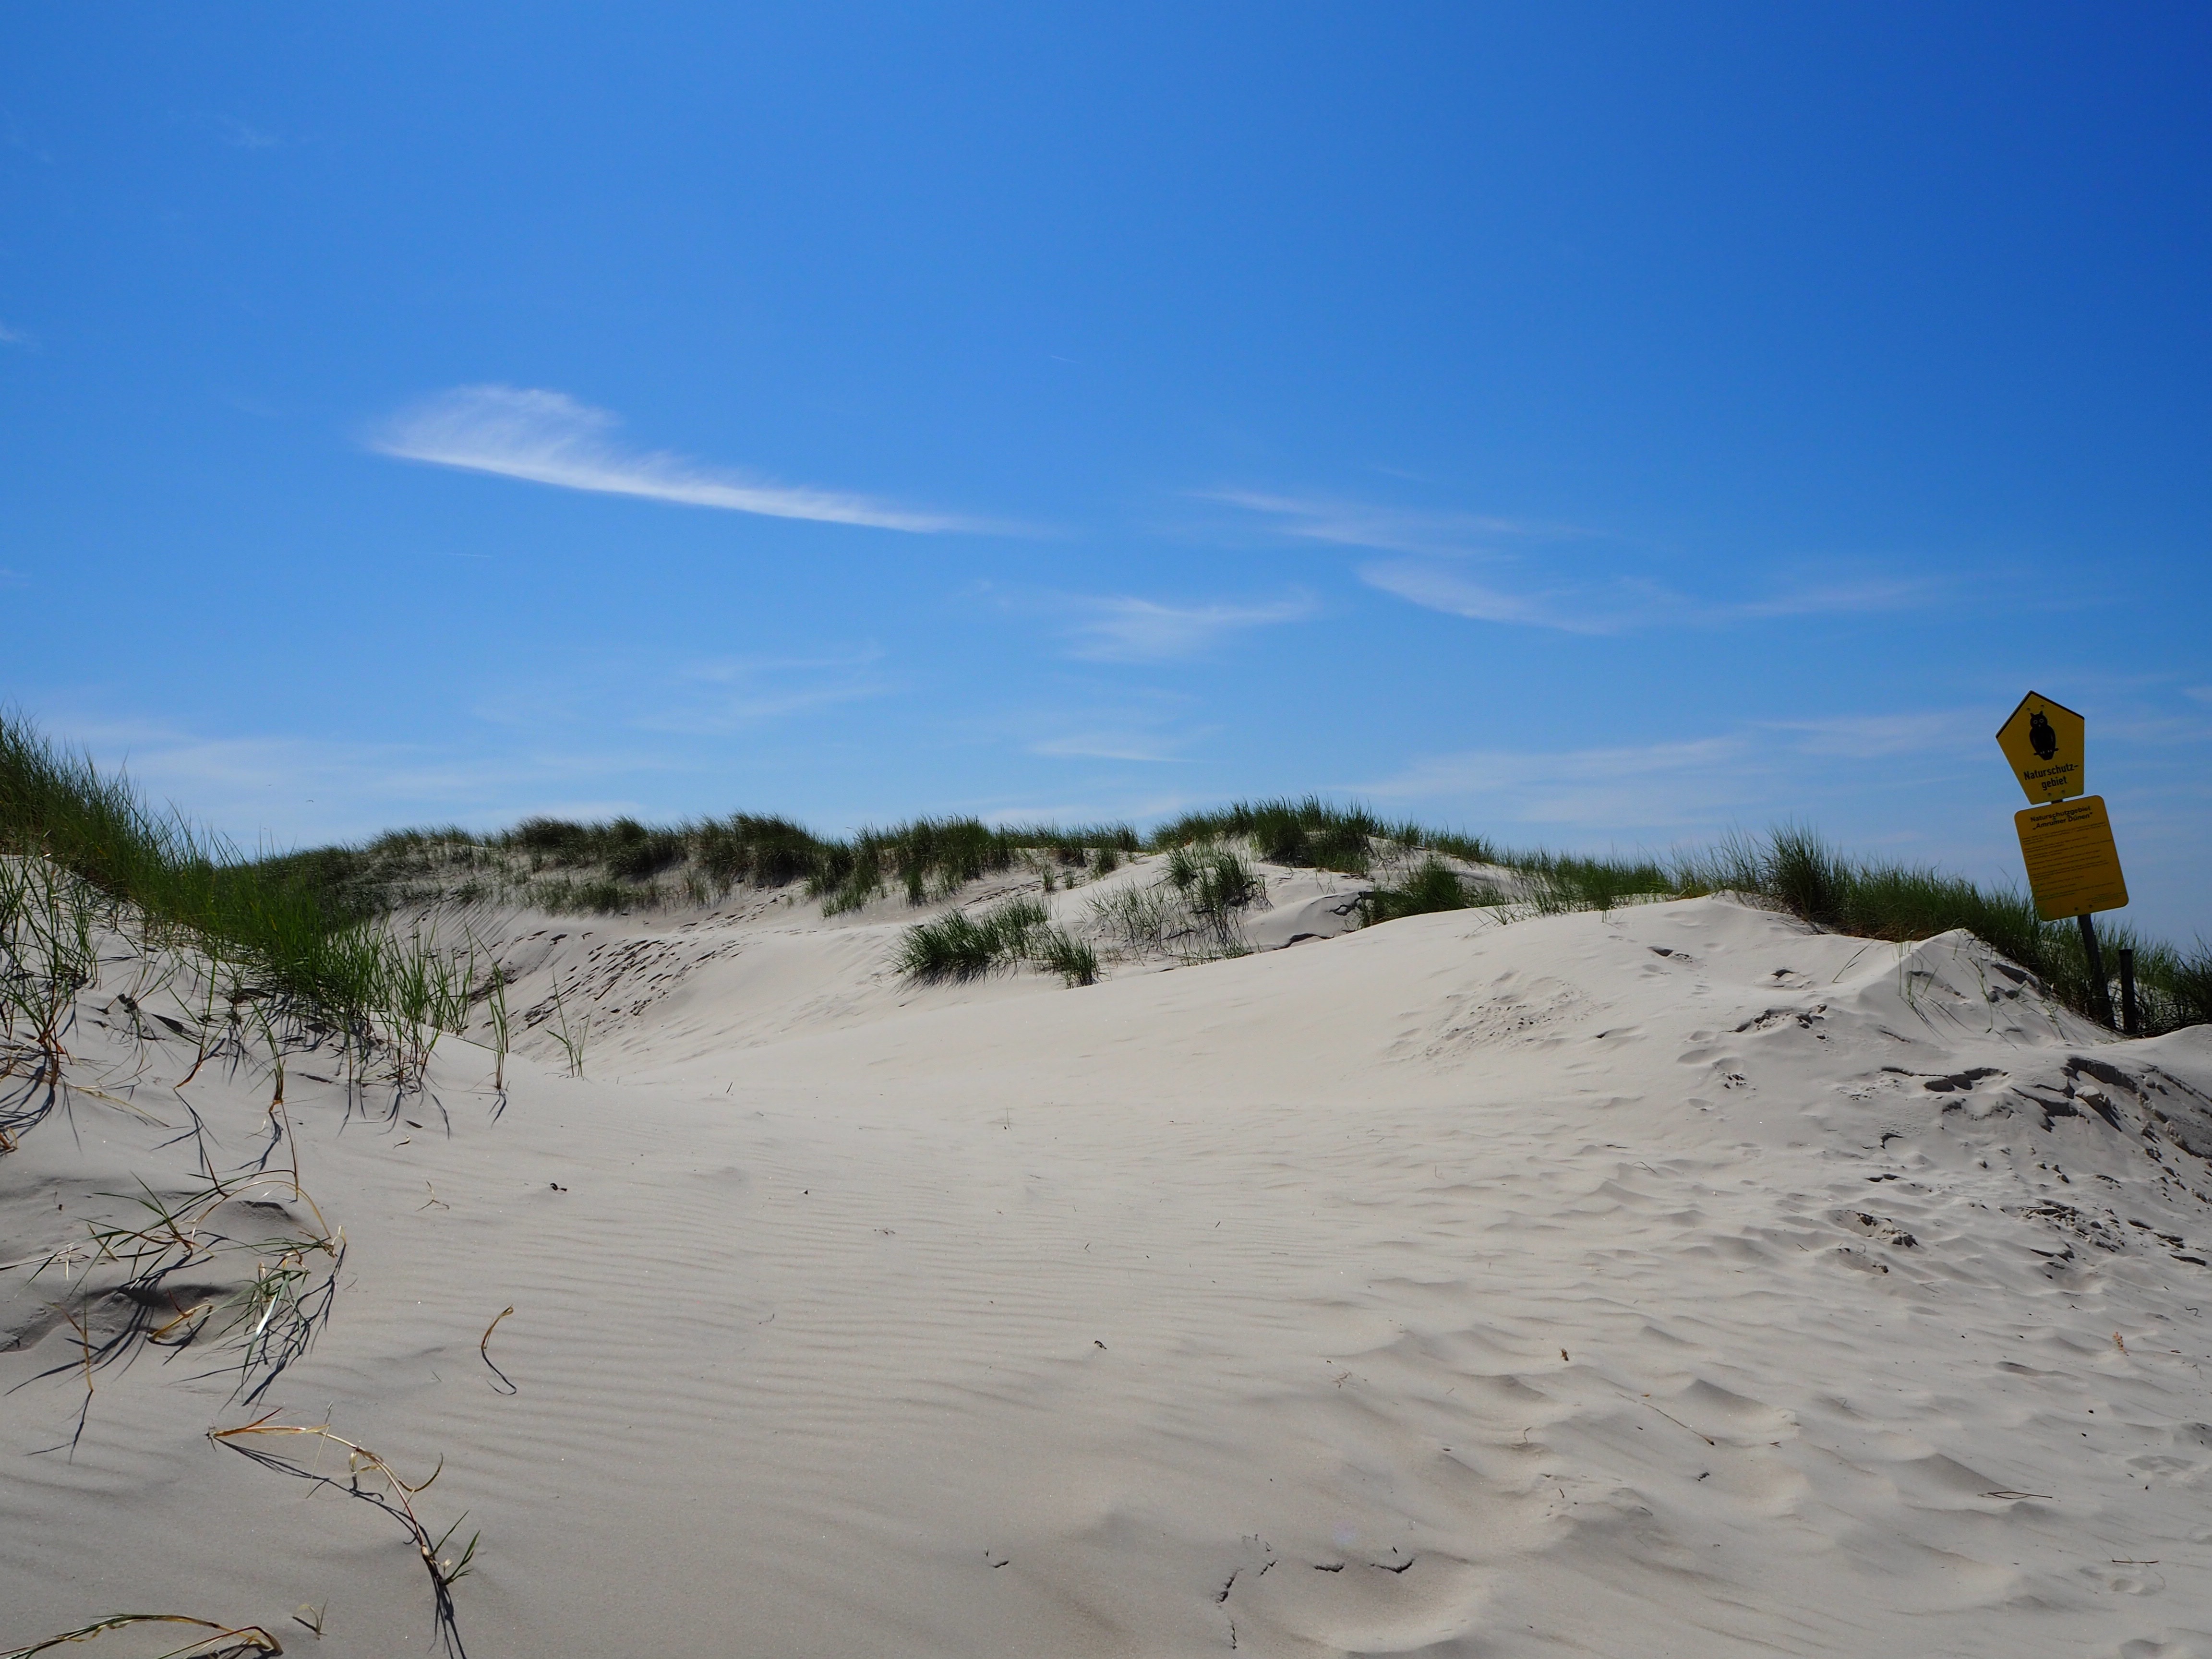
(2065, 838)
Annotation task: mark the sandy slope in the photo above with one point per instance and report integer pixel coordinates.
(1668, 1282)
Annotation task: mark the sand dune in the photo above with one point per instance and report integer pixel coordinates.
(1670, 1281)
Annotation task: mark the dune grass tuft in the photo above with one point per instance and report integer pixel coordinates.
(1134, 916)
(966, 946)
(47, 955)
(955, 947)
(1072, 958)
(1309, 832)
(1560, 883)
(284, 926)
(1191, 910)
(1432, 886)
(1216, 885)
(934, 858)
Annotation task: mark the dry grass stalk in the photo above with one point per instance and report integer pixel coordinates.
(483, 1347)
(395, 1499)
(279, 1314)
(227, 1642)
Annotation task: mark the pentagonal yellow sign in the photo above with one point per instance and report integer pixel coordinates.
(2044, 742)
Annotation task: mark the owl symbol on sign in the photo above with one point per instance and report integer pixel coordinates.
(2040, 738)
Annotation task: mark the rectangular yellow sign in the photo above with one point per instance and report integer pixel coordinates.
(2073, 867)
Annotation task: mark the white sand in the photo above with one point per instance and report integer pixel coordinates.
(1671, 1282)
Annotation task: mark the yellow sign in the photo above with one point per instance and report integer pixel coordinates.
(2073, 867)
(2042, 740)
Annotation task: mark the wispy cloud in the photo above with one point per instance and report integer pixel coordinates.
(1877, 737)
(731, 694)
(1601, 788)
(1108, 744)
(1099, 718)
(1623, 603)
(1145, 630)
(1833, 765)
(12, 336)
(1622, 764)
(1387, 529)
(1435, 587)
(1758, 771)
(699, 698)
(1480, 566)
(549, 438)
(239, 135)
(1827, 600)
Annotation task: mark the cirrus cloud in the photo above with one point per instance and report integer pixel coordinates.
(1623, 603)
(1127, 630)
(549, 438)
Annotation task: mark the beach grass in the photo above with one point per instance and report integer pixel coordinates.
(281, 925)
(1560, 883)
(1432, 886)
(1216, 885)
(935, 858)
(1310, 832)
(968, 945)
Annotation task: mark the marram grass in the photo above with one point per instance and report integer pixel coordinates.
(966, 945)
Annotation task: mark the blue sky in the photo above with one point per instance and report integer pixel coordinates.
(1597, 427)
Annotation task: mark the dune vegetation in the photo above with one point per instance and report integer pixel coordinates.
(967, 944)
(287, 928)
(321, 927)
